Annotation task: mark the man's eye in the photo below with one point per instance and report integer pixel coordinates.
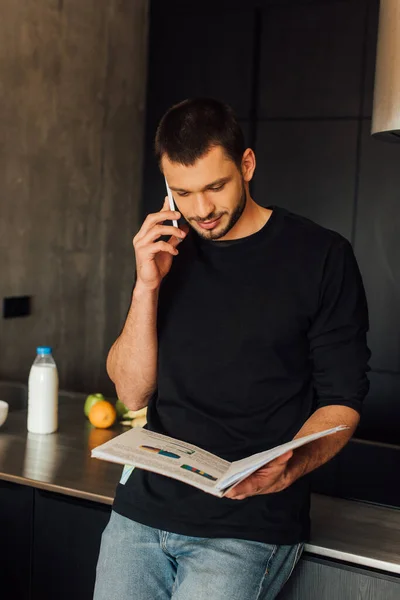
(218, 188)
(183, 194)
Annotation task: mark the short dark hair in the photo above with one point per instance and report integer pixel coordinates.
(189, 129)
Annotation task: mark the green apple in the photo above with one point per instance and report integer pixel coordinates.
(120, 408)
(90, 400)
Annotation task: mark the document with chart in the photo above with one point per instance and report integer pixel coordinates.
(192, 465)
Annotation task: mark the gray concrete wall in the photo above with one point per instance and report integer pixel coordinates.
(72, 98)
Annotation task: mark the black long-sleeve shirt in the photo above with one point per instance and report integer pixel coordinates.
(254, 335)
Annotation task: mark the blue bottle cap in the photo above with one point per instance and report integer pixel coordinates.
(43, 350)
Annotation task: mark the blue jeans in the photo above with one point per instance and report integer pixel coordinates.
(137, 562)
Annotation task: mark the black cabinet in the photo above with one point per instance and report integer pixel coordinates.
(361, 471)
(66, 546)
(311, 59)
(295, 169)
(194, 51)
(370, 57)
(49, 544)
(197, 51)
(377, 245)
(381, 413)
(16, 502)
(317, 579)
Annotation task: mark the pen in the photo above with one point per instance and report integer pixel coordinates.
(171, 203)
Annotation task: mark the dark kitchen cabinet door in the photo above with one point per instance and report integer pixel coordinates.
(16, 505)
(194, 51)
(66, 546)
(197, 52)
(308, 167)
(377, 246)
(315, 578)
(370, 58)
(311, 59)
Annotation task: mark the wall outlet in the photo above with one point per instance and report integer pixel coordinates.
(16, 306)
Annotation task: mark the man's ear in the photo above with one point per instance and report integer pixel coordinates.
(248, 164)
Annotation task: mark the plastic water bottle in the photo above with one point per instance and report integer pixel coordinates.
(43, 393)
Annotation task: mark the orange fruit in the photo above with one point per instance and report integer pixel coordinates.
(102, 414)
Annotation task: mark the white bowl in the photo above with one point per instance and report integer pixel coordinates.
(3, 412)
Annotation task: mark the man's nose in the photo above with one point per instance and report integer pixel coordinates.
(203, 207)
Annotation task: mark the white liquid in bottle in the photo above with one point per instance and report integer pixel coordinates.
(43, 393)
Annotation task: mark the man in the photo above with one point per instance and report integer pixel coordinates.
(250, 332)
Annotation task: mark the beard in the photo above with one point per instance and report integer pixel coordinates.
(233, 219)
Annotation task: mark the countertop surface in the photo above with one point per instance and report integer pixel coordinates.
(347, 530)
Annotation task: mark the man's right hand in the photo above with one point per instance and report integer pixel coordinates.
(154, 258)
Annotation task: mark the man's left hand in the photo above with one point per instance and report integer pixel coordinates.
(274, 477)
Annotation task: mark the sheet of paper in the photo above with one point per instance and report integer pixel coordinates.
(240, 469)
(164, 455)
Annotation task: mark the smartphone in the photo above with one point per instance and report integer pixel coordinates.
(171, 203)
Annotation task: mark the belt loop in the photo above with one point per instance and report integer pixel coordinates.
(164, 536)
